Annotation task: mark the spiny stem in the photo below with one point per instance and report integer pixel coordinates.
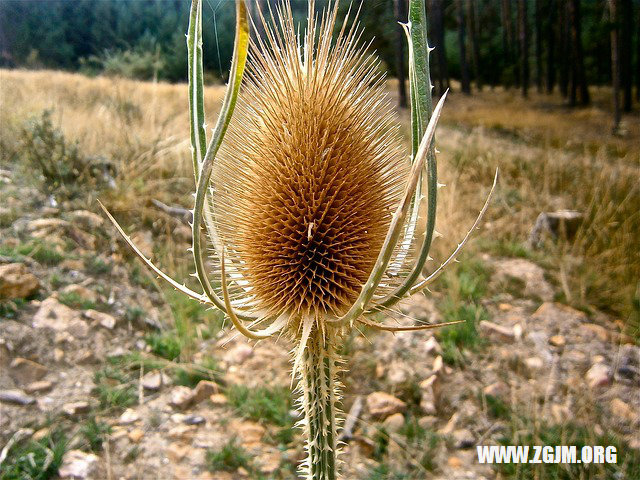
(318, 386)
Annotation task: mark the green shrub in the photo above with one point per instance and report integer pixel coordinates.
(229, 458)
(35, 460)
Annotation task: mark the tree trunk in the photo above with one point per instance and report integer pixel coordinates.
(464, 68)
(441, 52)
(625, 48)
(551, 28)
(523, 31)
(538, 22)
(401, 16)
(508, 42)
(637, 69)
(615, 62)
(472, 19)
(563, 35)
(578, 78)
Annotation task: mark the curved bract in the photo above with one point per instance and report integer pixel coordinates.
(307, 198)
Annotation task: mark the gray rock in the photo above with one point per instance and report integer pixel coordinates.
(25, 371)
(599, 375)
(155, 380)
(181, 397)
(498, 389)
(53, 314)
(17, 282)
(78, 465)
(128, 417)
(463, 438)
(38, 387)
(504, 334)
(531, 274)
(193, 420)
(16, 396)
(381, 404)
(75, 408)
(428, 397)
(80, 291)
(103, 319)
(393, 423)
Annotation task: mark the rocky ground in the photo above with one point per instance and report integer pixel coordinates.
(88, 387)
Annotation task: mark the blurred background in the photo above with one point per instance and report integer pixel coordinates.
(107, 373)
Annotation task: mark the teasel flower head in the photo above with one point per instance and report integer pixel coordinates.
(310, 203)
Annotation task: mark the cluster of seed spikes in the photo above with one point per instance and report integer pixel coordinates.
(309, 172)
(309, 204)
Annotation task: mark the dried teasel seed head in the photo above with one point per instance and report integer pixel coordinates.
(310, 171)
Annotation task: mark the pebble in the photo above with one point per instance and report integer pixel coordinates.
(17, 282)
(393, 423)
(182, 432)
(87, 219)
(181, 397)
(154, 380)
(218, 399)
(599, 375)
(269, 462)
(78, 465)
(557, 341)
(497, 389)
(381, 404)
(193, 420)
(250, 433)
(38, 387)
(136, 435)
(238, 354)
(24, 371)
(428, 397)
(623, 410)
(534, 365)
(428, 422)
(432, 345)
(128, 417)
(57, 316)
(103, 319)
(594, 330)
(177, 451)
(204, 390)
(16, 396)
(75, 408)
(463, 438)
(80, 291)
(498, 332)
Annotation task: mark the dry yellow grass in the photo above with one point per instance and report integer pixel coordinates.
(550, 158)
(142, 127)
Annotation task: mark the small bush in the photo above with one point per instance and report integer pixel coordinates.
(95, 433)
(262, 404)
(64, 169)
(164, 344)
(73, 300)
(97, 266)
(113, 389)
(229, 459)
(207, 370)
(36, 249)
(35, 460)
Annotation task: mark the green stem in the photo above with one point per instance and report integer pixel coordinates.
(319, 391)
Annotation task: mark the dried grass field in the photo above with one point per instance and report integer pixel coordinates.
(548, 351)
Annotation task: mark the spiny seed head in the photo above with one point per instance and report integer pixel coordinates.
(310, 172)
